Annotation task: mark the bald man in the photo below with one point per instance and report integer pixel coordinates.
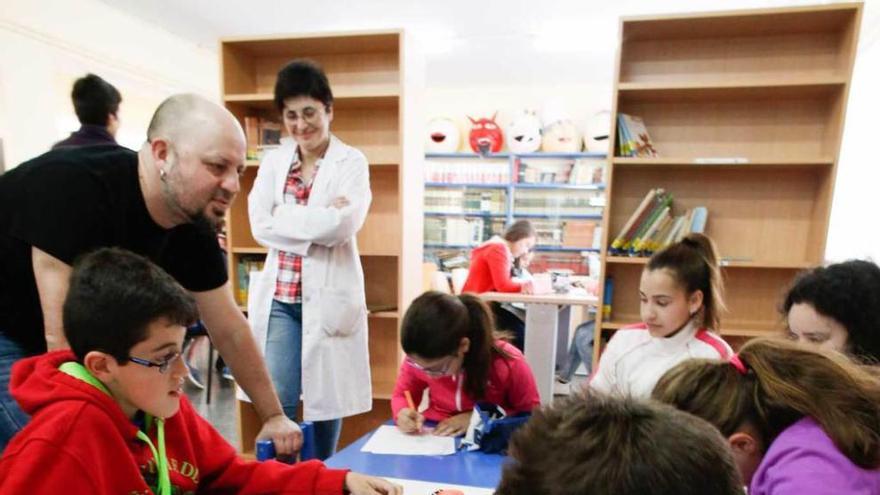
(163, 202)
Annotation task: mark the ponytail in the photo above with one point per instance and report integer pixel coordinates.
(782, 383)
(436, 322)
(479, 357)
(693, 262)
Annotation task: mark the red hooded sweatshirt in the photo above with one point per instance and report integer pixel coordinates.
(491, 263)
(80, 442)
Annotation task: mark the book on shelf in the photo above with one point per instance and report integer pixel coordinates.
(653, 226)
(246, 265)
(633, 137)
(607, 297)
(578, 233)
(261, 134)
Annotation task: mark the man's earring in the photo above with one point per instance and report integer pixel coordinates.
(162, 174)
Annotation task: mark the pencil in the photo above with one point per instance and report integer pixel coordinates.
(409, 401)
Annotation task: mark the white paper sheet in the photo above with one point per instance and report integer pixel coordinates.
(412, 487)
(389, 440)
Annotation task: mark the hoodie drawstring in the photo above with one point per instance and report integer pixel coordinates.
(80, 372)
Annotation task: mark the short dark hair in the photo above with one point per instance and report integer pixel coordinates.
(114, 296)
(302, 77)
(848, 293)
(94, 99)
(625, 446)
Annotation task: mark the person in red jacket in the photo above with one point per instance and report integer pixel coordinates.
(451, 351)
(109, 416)
(491, 271)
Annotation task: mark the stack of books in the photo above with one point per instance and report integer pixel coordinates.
(653, 226)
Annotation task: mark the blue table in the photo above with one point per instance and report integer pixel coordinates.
(462, 468)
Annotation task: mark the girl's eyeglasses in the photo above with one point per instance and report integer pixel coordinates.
(441, 370)
(163, 365)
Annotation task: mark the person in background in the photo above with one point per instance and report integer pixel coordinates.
(109, 415)
(491, 271)
(450, 350)
(680, 294)
(621, 446)
(96, 103)
(308, 305)
(799, 420)
(837, 307)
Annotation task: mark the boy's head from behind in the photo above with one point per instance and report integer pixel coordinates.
(604, 445)
(124, 317)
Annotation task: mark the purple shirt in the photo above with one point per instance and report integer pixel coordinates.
(804, 461)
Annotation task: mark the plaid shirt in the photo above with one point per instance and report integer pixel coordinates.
(288, 285)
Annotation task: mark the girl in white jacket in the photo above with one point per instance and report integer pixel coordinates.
(680, 294)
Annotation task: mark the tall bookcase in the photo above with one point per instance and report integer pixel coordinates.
(762, 94)
(376, 81)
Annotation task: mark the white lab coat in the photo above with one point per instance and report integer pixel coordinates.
(335, 354)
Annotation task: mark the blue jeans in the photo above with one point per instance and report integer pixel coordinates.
(581, 350)
(12, 418)
(284, 359)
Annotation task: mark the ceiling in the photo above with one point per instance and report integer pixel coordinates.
(467, 42)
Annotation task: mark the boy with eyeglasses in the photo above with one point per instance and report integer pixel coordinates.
(109, 415)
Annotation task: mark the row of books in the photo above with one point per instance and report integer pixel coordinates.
(558, 202)
(561, 233)
(467, 172)
(573, 172)
(475, 201)
(460, 231)
(653, 226)
(261, 134)
(633, 138)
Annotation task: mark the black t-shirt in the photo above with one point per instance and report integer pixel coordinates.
(69, 202)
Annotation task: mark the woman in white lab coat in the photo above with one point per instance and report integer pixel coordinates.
(307, 306)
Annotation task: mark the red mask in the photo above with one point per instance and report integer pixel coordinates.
(485, 135)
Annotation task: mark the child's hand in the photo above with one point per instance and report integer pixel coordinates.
(410, 421)
(528, 287)
(359, 484)
(454, 426)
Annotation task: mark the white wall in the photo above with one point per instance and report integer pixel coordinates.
(47, 44)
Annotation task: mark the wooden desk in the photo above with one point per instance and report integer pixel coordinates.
(548, 317)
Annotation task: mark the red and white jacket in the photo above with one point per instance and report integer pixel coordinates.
(634, 361)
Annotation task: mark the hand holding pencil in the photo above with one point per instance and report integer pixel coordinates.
(409, 420)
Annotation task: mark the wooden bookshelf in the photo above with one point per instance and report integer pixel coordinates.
(746, 111)
(376, 82)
